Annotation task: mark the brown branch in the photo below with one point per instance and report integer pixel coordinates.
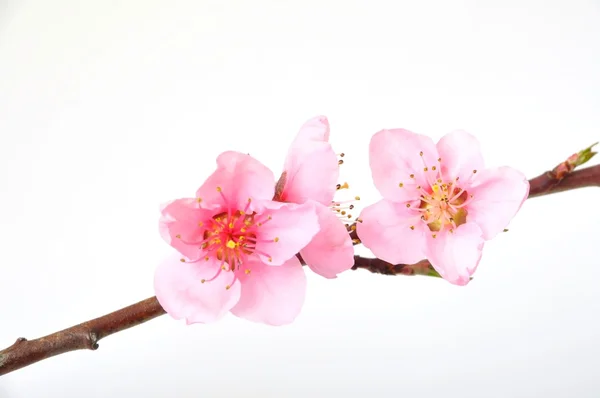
(86, 335)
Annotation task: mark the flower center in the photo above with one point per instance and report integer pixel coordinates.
(442, 200)
(230, 237)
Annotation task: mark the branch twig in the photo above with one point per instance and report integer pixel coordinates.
(86, 335)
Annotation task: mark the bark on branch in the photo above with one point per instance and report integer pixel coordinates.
(86, 335)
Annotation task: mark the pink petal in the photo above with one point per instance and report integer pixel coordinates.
(182, 217)
(240, 177)
(181, 293)
(311, 166)
(497, 196)
(461, 154)
(455, 256)
(272, 295)
(290, 228)
(394, 156)
(331, 251)
(385, 230)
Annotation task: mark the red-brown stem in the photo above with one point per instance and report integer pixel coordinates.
(86, 335)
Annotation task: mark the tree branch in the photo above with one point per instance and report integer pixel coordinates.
(86, 335)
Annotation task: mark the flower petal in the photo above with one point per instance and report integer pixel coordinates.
(461, 154)
(311, 167)
(290, 228)
(331, 251)
(181, 217)
(239, 176)
(385, 230)
(455, 256)
(498, 194)
(394, 155)
(181, 293)
(272, 295)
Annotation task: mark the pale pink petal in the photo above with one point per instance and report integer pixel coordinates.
(385, 230)
(179, 289)
(461, 154)
(330, 252)
(272, 295)
(497, 196)
(240, 177)
(394, 155)
(455, 256)
(311, 168)
(179, 225)
(289, 229)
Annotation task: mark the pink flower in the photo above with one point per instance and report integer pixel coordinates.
(239, 248)
(439, 201)
(310, 175)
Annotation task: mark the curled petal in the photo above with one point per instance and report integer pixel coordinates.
(396, 164)
(180, 291)
(272, 295)
(331, 251)
(386, 230)
(455, 256)
(461, 154)
(239, 177)
(286, 228)
(311, 166)
(498, 194)
(179, 225)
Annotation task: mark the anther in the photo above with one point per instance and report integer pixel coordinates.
(433, 168)
(182, 260)
(198, 200)
(474, 171)
(340, 161)
(425, 169)
(178, 236)
(342, 155)
(276, 239)
(219, 189)
(227, 287)
(356, 241)
(408, 205)
(357, 198)
(338, 186)
(230, 244)
(434, 236)
(401, 185)
(421, 153)
(412, 176)
(412, 227)
(270, 259)
(247, 271)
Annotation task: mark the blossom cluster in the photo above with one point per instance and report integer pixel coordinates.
(240, 240)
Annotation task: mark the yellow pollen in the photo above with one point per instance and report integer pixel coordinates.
(230, 225)
(219, 189)
(270, 259)
(433, 168)
(247, 271)
(198, 200)
(178, 236)
(408, 205)
(435, 188)
(418, 187)
(357, 198)
(412, 227)
(182, 260)
(401, 185)
(268, 218)
(344, 186)
(200, 224)
(425, 169)
(227, 287)
(206, 258)
(224, 268)
(231, 244)
(202, 280)
(434, 236)
(276, 239)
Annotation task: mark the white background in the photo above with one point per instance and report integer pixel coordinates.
(109, 108)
